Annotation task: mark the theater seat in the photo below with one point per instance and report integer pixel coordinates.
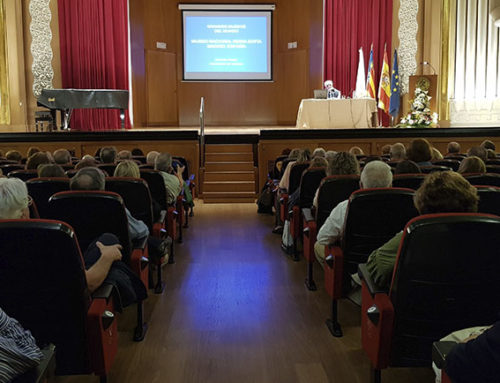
(489, 199)
(41, 189)
(373, 217)
(449, 163)
(446, 278)
(92, 213)
(309, 183)
(490, 179)
(23, 174)
(159, 194)
(410, 181)
(332, 190)
(137, 199)
(434, 168)
(295, 176)
(43, 286)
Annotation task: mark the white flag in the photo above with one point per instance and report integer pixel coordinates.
(361, 79)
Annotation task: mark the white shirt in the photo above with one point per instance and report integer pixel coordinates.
(334, 224)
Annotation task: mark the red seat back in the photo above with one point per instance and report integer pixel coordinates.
(446, 278)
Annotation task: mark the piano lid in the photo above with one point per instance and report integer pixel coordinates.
(84, 99)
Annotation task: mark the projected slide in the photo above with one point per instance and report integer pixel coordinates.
(227, 45)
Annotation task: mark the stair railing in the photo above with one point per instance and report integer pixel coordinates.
(202, 132)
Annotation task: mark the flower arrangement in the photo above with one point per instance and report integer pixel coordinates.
(420, 115)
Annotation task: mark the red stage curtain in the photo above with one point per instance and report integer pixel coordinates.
(350, 25)
(94, 55)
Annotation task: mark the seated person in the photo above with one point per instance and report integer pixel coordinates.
(151, 157)
(453, 149)
(51, 170)
(420, 151)
(407, 167)
(18, 350)
(476, 357)
(478, 151)
(341, 163)
(62, 157)
(102, 258)
(173, 181)
(488, 144)
(441, 192)
(398, 152)
(436, 155)
(93, 179)
(300, 156)
(37, 159)
(376, 174)
(124, 155)
(108, 155)
(472, 165)
(317, 162)
(14, 155)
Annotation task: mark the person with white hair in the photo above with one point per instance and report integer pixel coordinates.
(151, 157)
(319, 152)
(14, 204)
(398, 152)
(376, 174)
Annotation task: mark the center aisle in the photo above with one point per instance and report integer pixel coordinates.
(235, 309)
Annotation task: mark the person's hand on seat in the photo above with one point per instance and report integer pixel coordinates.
(112, 252)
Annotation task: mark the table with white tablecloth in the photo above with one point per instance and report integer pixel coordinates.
(337, 114)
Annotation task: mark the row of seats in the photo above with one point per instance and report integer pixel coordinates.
(438, 281)
(55, 305)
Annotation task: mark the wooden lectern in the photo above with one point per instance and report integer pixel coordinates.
(428, 82)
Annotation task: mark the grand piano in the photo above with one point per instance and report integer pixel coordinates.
(65, 100)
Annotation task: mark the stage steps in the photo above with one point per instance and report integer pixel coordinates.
(229, 174)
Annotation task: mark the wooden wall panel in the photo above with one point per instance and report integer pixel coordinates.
(161, 86)
(293, 65)
(239, 103)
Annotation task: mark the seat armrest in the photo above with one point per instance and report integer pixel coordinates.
(163, 215)
(307, 213)
(364, 275)
(40, 373)
(105, 291)
(440, 351)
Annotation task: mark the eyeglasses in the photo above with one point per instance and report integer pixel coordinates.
(30, 201)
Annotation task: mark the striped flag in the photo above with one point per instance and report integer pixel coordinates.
(395, 88)
(384, 87)
(370, 81)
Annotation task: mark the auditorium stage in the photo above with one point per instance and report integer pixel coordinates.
(268, 141)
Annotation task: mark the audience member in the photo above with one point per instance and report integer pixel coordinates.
(151, 157)
(477, 151)
(18, 350)
(490, 154)
(441, 192)
(386, 150)
(436, 155)
(85, 163)
(357, 151)
(329, 155)
(124, 155)
(487, 144)
(32, 150)
(137, 152)
(370, 158)
(407, 167)
(302, 157)
(286, 152)
(127, 168)
(173, 182)
(318, 162)
(475, 357)
(14, 155)
(39, 158)
(319, 152)
(108, 155)
(93, 179)
(62, 157)
(101, 256)
(398, 152)
(420, 152)
(453, 149)
(472, 165)
(376, 174)
(51, 170)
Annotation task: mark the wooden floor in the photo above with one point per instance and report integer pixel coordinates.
(235, 309)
